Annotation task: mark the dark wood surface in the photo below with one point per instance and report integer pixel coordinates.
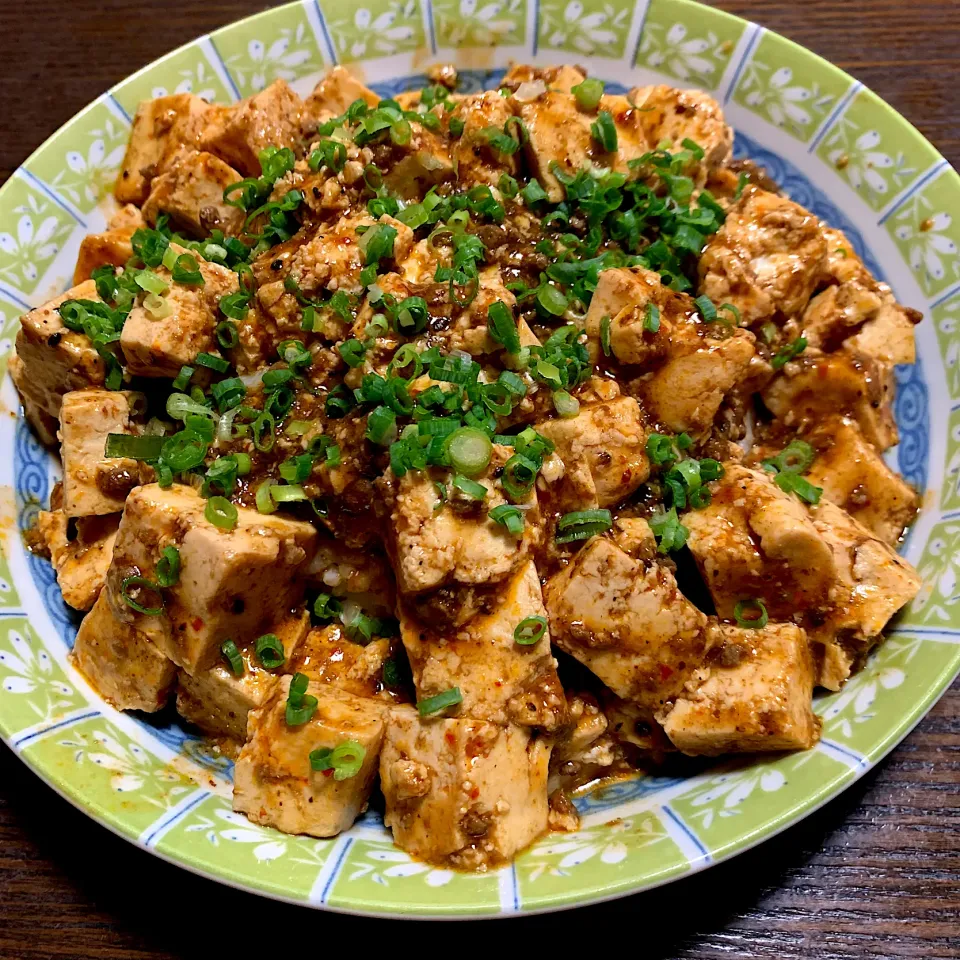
(876, 873)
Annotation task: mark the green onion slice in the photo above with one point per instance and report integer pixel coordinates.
(270, 651)
(582, 524)
(221, 513)
(441, 701)
(168, 567)
(757, 618)
(530, 630)
(133, 585)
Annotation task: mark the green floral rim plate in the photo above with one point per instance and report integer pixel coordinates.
(831, 143)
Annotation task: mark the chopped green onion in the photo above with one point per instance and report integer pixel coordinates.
(221, 513)
(502, 327)
(187, 270)
(208, 360)
(183, 451)
(793, 483)
(588, 93)
(288, 493)
(469, 450)
(141, 583)
(784, 355)
(796, 457)
(651, 319)
(706, 308)
(270, 651)
(301, 706)
(456, 127)
(345, 760)
(758, 618)
(183, 379)
(232, 655)
(582, 524)
(604, 131)
(552, 299)
(474, 490)
(441, 701)
(136, 448)
(733, 311)
(565, 405)
(605, 335)
(508, 516)
(519, 476)
(671, 534)
(264, 500)
(530, 630)
(352, 352)
(149, 281)
(168, 567)
(264, 431)
(227, 334)
(381, 426)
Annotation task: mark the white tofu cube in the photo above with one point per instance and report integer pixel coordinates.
(499, 679)
(274, 783)
(92, 483)
(605, 447)
(218, 701)
(112, 246)
(233, 583)
(626, 621)
(81, 563)
(757, 697)
(160, 128)
(122, 664)
(461, 793)
(53, 360)
(238, 133)
(191, 190)
(159, 348)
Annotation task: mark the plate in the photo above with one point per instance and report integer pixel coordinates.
(833, 145)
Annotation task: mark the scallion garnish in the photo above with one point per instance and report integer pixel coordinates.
(301, 705)
(168, 567)
(468, 450)
(582, 524)
(530, 630)
(269, 651)
(136, 448)
(757, 618)
(131, 589)
(221, 513)
(441, 701)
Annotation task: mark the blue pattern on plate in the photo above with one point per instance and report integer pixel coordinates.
(32, 463)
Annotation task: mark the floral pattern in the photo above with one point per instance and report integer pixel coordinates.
(265, 845)
(283, 53)
(939, 568)
(377, 29)
(384, 864)
(950, 495)
(773, 91)
(586, 27)
(698, 58)
(476, 23)
(946, 319)
(29, 675)
(31, 236)
(928, 235)
(89, 175)
(859, 154)
(131, 768)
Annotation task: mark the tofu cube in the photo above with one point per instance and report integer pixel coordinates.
(350, 571)
(191, 190)
(160, 127)
(462, 793)
(606, 443)
(476, 161)
(331, 659)
(81, 563)
(274, 783)
(159, 348)
(424, 163)
(627, 621)
(872, 584)
(332, 95)
(756, 699)
(766, 259)
(110, 247)
(622, 296)
(122, 664)
(753, 540)
(812, 388)
(561, 78)
(218, 701)
(434, 543)
(92, 483)
(701, 368)
(560, 134)
(672, 115)
(233, 583)
(499, 679)
(855, 477)
(238, 133)
(53, 360)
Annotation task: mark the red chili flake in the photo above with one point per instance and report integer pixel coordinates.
(474, 793)
(328, 773)
(450, 738)
(823, 370)
(196, 623)
(665, 671)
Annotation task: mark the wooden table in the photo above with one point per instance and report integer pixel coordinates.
(874, 874)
